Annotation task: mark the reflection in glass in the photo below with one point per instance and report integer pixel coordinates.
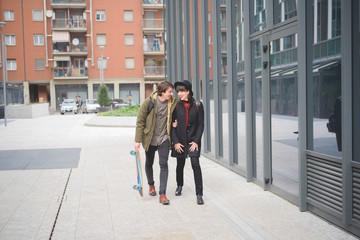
(284, 10)
(241, 84)
(284, 112)
(257, 79)
(327, 78)
(259, 15)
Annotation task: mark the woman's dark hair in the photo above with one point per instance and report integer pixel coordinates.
(183, 88)
(163, 87)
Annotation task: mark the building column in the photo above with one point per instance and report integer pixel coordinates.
(116, 90)
(26, 92)
(90, 91)
(142, 90)
(52, 96)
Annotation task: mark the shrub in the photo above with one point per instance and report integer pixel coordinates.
(103, 95)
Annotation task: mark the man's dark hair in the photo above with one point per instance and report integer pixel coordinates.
(163, 87)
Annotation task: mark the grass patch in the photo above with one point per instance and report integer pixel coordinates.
(121, 112)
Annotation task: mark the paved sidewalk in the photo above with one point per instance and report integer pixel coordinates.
(95, 199)
(98, 121)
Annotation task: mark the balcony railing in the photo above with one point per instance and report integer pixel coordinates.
(81, 47)
(60, 72)
(152, 1)
(68, 23)
(154, 70)
(153, 23)
(223, 47)
(327, 48)
(222, 23)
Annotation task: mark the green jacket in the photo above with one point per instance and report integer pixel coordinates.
(145, 123)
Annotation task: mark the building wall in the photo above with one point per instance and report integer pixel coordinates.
(114, 27)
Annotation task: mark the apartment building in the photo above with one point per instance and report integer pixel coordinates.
(61, 49)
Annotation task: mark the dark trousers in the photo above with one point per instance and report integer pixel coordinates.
(195, 164)
(163, 151)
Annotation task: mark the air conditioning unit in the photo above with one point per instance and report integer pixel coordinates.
(158, 35)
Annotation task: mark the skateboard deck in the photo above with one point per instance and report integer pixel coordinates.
(139, 185)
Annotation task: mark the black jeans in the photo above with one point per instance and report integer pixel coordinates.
(195, 164)
(163, 150)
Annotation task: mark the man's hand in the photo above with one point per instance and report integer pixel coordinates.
(137, 146)
(194, 146)
(179, 147)
(174, 123)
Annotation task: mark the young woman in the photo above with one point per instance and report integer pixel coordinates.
(186, 136)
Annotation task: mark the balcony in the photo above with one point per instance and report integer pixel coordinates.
(80, 4)
(73, 24)
(80, 49)
(222, 3)
(153, 4)
(223, 47)
(64, 73)
(153, 25)
(154, 72)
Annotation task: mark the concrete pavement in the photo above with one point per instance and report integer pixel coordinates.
(95, 200)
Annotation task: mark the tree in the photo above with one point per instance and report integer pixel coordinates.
(103, 95)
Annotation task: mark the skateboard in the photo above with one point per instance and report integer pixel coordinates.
(139, 184)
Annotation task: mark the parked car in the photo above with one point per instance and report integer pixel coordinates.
(68, 105)
(118, 103)
(90, 105)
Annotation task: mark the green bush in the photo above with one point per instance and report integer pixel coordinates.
(103, 95)
(124, 111)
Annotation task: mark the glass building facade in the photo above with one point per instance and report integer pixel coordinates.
(279, 80)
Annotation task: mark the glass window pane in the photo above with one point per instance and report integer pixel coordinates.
(128, 16)
(326, 85)
(257, 79)
(37, 15)
(284, 114)
(240, 39)
(284, 10)
(258, 15)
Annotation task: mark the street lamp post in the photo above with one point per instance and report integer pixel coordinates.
(101, 65)
(3, 54)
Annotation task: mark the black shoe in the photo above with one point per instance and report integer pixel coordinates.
(200, 200)
(178, 191)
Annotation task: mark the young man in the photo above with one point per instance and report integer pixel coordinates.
(153, 131)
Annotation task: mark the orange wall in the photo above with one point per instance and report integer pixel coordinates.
(14, 27)
(115, 29)
(33, 52)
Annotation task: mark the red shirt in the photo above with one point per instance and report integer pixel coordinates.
(187, 106)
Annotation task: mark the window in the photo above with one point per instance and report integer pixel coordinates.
(10, 40)
(103, 62)
(129, 39)
(128, 16)
(38, 39)
(100, 39)
(37, 15)
(39, 64)
(129, 63)
(209, 40)
(11, 65)
(100, 15)
(209, 62)
(9, 15)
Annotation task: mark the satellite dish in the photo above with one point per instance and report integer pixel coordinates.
(75, 41)
(49, 13)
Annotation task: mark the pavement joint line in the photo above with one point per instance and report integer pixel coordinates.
(243, 226)
(62, 199)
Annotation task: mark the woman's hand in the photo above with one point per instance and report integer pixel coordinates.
(174, 124)
(194, 146)
(179, 147)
